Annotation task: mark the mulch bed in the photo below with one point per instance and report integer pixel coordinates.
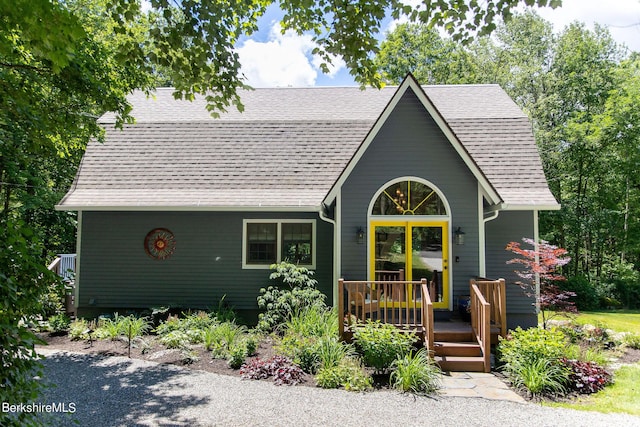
(154, 351)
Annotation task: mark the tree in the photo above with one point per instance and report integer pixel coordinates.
(420, 50)
(540, 275)
(65, 62)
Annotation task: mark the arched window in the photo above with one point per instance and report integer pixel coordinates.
(408, 197)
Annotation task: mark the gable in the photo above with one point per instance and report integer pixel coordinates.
(410, 86)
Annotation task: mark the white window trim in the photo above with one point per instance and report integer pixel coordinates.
(279, 223)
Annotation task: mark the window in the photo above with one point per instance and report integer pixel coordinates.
(271, 241)
(262, 243)
(408, 198)
(296, 243)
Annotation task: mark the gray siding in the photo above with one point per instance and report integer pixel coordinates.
(510, 226)
(116, 272)
(411, 144)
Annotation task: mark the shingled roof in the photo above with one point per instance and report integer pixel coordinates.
(287, 149)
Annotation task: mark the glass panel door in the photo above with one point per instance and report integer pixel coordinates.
(427, 261)
(411, 251)
(389, 249)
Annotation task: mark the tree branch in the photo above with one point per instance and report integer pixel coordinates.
(25, 67)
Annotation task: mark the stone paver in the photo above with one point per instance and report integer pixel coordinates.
(477, 384)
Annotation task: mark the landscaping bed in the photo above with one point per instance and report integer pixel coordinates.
(155, 351)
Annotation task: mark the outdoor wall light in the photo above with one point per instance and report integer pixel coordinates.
(458, 236)
(360, 235)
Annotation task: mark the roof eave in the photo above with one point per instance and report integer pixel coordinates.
(524, 207)
(189, 208)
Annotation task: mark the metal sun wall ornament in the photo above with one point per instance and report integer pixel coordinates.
(160, 243)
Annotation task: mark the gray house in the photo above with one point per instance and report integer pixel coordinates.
(182, 208)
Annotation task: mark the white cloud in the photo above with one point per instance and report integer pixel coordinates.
(622, 17)
(284, 60)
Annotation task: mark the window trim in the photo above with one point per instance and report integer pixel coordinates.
(279, 222)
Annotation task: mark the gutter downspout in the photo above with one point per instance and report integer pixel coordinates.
(483, 255)
(323, 216)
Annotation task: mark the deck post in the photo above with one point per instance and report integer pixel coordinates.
(341, 308)
(503, 308)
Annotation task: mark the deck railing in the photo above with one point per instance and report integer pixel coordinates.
(494, 292)
(64, 265)
(427, 316)
(481, 324)
(399, 303)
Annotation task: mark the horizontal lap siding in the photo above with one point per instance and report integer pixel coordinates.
(410, 143)
(207, 263)
(509, 226)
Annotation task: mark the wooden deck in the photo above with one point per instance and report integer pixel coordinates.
(407, 305)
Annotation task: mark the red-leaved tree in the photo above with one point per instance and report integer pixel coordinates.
(543, 260)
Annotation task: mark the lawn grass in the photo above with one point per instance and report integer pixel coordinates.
(623, 396)
(618, 320)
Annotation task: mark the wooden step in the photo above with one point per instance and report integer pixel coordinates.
(460, 363)
(453, 336)
(444, 348)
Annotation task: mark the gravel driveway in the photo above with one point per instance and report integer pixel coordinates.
(116, 391)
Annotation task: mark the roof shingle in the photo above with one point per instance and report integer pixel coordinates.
(287, 148)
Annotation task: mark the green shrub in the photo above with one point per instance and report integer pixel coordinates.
(531, 344)
(632, 341)
(314, 321)
(52, 301)
(175, 339)
(199, 320)
(109, 328)
(622, 281)
(628, 293)
(222, 338)
(223, 312)
(251, 345)
(532, 359)
(173, 323)
(196, 336)
(295, 290)
(587, 297)
(415, 372)
(331, 351)
(380, 344)
(237, 356)
(586, 353)
(59, 323)
(539, 376)
(349, 374)
(133, 327)
(78, 329)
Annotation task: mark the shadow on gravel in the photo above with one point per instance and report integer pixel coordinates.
(113, 391)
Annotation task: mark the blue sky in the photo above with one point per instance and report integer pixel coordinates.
(272, 59)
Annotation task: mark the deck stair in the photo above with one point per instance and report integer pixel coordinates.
(455, 348)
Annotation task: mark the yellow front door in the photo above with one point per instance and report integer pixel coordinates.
(413, 250)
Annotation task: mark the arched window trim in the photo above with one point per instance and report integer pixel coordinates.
(422, 181)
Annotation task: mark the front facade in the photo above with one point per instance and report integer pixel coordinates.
(413, 181)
